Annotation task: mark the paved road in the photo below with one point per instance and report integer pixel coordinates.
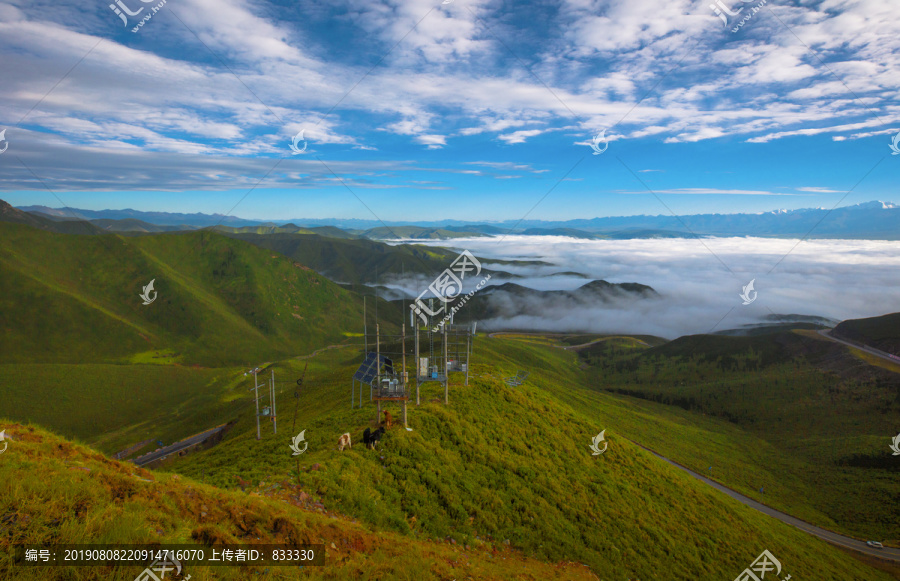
(177, 446)
(826, 535)
(870, 350)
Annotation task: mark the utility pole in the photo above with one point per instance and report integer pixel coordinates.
(446, 371)
(377, 370)
(274, 421)
(256, 398)
(404, 374)
(468, 339)
(417, 364)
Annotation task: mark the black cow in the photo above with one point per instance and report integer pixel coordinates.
(371, 438)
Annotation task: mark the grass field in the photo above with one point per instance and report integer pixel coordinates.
(502, 463)
(219, 302)
(799, 417)
(119, 405)
(503, 474)
(53, 491)
(498, 463)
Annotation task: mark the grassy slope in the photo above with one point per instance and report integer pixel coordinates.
(118, 405)
(75, 336)
(52, 491)
(623, 514)
(497, 456)
(355, 261)
(791, 413)
(879, 332)
(503, 463)
(220, 301)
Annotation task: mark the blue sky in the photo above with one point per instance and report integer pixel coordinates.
(418, 110)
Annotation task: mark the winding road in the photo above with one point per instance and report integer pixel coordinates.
(161, 453)
(870, 350)
(825, 535)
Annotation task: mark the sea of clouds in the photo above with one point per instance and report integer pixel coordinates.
(699, 280)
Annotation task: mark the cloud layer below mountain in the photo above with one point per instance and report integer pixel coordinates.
(699, 280)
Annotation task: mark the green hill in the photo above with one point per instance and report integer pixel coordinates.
(355, 261)
(11, 215)
(500, 463)
(812, 419)
(75, 299)
(500, 484)
(57, 492)
(880, 332)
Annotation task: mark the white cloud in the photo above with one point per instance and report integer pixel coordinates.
(519, 136)
(819, 190)
(709, 191)
(838, 279)
(432, 141)
(653, 69)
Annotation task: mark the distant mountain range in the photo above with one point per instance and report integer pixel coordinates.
(870, 220)
(157, 218)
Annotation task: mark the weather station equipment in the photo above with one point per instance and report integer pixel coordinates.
(438, 349)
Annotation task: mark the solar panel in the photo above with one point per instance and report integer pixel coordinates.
(364, 366)
(368, 369)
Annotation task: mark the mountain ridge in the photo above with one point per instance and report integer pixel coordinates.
(873, 219)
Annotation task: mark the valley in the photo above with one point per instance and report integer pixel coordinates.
(498, 484)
